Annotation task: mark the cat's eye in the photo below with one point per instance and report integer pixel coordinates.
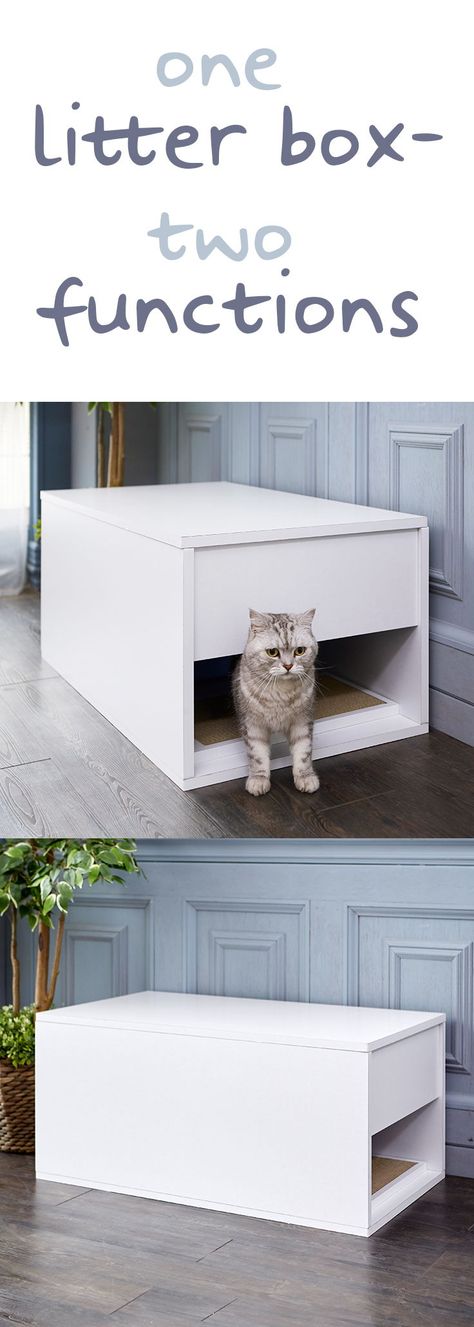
(300, 649)
(274, 654)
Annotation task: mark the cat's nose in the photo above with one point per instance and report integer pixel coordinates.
(288, 667)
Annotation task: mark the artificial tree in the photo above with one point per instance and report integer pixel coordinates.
(38, 880)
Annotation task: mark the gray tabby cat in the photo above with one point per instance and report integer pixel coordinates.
(273, 687)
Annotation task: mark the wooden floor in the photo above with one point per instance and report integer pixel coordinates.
(76, 1258)
(64, 770)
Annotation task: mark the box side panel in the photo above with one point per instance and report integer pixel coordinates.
(403, 1077)
(112, 625)
(277, 1130)
(357, 583)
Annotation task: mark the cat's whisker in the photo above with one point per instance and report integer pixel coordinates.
(267, 684)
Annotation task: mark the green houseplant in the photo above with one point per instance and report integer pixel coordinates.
(38, 880)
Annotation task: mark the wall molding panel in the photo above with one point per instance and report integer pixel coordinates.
(294, 447)
(114, 939)
(202, 447)
(122, 923)
(280, 955)
(269, 951)
(396, 955)
(301, 437)
(447, 577)
(459, 960)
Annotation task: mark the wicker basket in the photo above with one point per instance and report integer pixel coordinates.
(17, 1108)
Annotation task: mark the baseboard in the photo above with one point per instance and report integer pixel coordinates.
(450, 715)
(457, 638)
(460, 1161)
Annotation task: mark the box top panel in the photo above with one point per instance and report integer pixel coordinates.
(203, 515)
(338, 1027)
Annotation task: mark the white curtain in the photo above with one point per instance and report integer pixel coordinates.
(14, 494)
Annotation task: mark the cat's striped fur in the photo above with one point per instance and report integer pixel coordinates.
(273, 688)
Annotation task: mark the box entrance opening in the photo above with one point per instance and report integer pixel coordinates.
(215, 720)
(405, 1156)
(370, 690)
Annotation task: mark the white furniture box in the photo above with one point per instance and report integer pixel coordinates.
(139, 583)
(319, 1115)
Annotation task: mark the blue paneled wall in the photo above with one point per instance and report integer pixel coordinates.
(370, 923)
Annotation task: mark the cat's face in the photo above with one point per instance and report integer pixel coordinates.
(281, 644)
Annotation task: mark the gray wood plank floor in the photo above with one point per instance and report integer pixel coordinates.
(76, 1258)
(64, 770)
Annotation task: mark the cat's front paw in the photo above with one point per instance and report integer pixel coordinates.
(306, 783)
(257, 784)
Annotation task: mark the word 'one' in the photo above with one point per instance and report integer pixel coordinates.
(257, 61)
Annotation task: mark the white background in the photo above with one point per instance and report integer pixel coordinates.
(356, 232)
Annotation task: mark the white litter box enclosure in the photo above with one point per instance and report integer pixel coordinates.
(317, 1115)
(140, 583)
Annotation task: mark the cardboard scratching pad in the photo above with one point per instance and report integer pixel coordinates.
(386, 1169)
(336, 697)
(215, 720)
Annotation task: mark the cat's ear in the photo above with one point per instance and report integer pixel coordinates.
(305, 619)
(258, 621)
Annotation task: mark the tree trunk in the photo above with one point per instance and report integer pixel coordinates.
(120, 442)
(101, 448)
(112, 465)
(57, 959)
(15, 961)
(42, 968)
(116, 462)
